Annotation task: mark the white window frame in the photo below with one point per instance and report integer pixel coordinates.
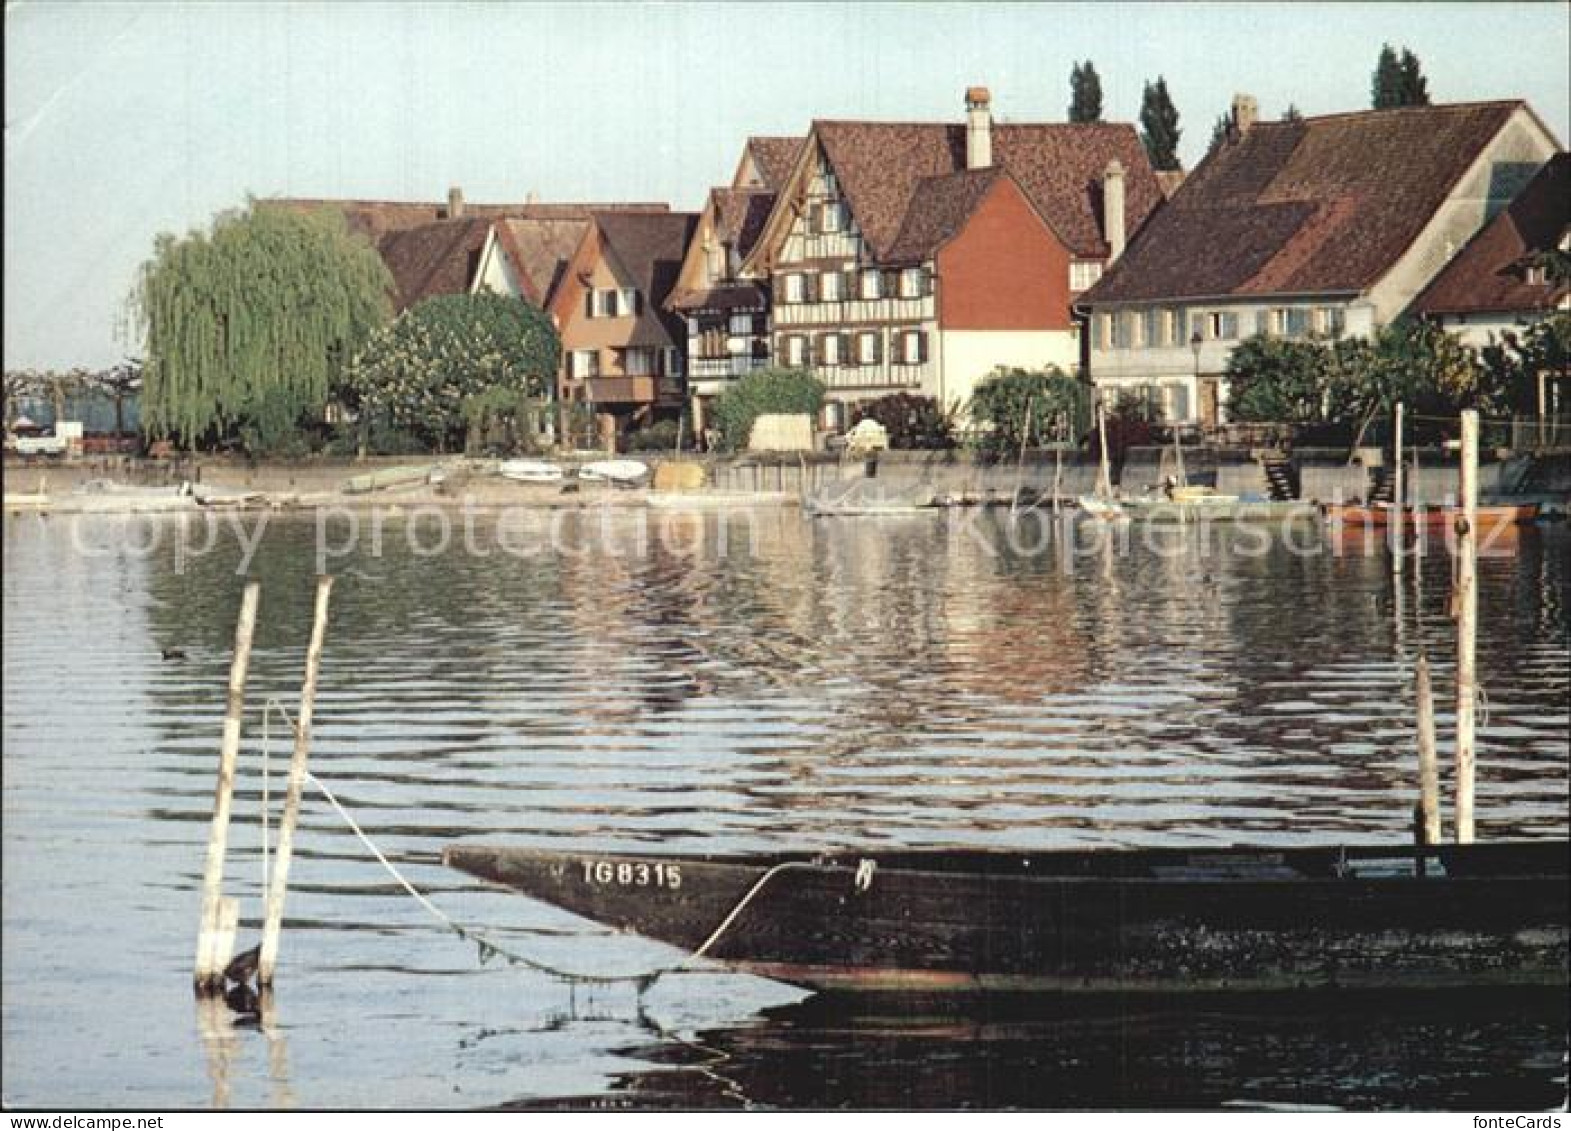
(740, 325)
(833, 354)
(795, 287)
(831, 286)
(580, 369)
(1084, 274)
(870, 287)
(627, 301)
(605, 302)
(867, 347)
(795, 350)
(831, 216)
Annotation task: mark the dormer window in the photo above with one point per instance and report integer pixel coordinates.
(1083, 274)
(1535, 274)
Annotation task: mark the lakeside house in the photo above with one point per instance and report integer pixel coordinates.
(1501, 278)
(727, 315)
(1315, 227)
(918, 256)
(622, 350)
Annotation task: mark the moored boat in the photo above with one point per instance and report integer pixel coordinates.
(1379, 514)
(1160, 921)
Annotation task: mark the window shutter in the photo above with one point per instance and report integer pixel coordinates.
(921, 349)
(815, 218)
(891, 284)
(878, 348)
(638, 303)
(589, 302)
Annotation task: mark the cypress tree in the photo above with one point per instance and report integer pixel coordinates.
(1291, 114)
(1221, 130)
(1085, 93)
(1386, 88)
(1159, 125)
(1415, 87)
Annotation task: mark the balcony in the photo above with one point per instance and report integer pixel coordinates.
(723, 368)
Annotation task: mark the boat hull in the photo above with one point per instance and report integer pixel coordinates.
(1160, 921)
(1490, 518)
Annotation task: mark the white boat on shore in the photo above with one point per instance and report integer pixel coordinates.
(622, 472)
(529, 471)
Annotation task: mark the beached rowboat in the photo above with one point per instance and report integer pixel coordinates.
(1160, 921)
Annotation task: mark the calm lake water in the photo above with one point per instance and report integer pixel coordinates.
(723, 684)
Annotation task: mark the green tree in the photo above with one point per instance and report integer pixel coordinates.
(1385, 87)
(453, 366)
(773, 390)
(1085, 93)
(1159, 125)
(1037, 406)
(1221, 131)
(1398, 80)
(1513, 364)
(119, 383)
(1279, 380)
(1415, 88)
(249, 326)
(910, 420)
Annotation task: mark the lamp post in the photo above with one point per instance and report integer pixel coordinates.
(1195, 344)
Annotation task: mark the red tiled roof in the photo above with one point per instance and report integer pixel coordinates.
(939, 208)
(376, 218)
(727, 296)
(1059, 167)
(1319, 205)
(540, 248)
(439, 258)
(1489, 273)
(740, 215)
(774, 157)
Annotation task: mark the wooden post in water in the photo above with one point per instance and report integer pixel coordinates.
(1428, 764)
(209, 972)
(1398, 498)
(1105, 472)
(297, 763)
(1466, 627)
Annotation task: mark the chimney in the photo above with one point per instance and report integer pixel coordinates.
(1113, 209)
(455, 203)
(1245, 112)
(979, 128)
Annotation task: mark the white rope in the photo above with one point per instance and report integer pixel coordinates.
(488, 947)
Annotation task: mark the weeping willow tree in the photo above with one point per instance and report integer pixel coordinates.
(250, 326)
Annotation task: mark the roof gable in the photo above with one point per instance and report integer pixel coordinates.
(1058, 166)
(440, 258)
(1318, 205)
(1489, 274)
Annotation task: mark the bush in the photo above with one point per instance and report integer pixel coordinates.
(1035, 405)
(658, 437)
(764, 391)
(911, 421)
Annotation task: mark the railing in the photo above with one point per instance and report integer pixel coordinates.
(712, 368)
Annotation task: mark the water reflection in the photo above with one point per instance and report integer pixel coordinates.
(1465, 1052)
(792, 684)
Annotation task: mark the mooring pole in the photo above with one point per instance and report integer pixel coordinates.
(1428, 764)
(1466, 627)
(297, 766)
(209, 973)
(1398, 498)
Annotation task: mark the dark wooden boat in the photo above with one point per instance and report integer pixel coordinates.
(1158, 921)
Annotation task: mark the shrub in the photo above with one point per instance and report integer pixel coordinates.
(911, 421)
(657, 437)
(1038, 405)
(763, 391)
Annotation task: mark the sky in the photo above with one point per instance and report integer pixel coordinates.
(125, 119)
